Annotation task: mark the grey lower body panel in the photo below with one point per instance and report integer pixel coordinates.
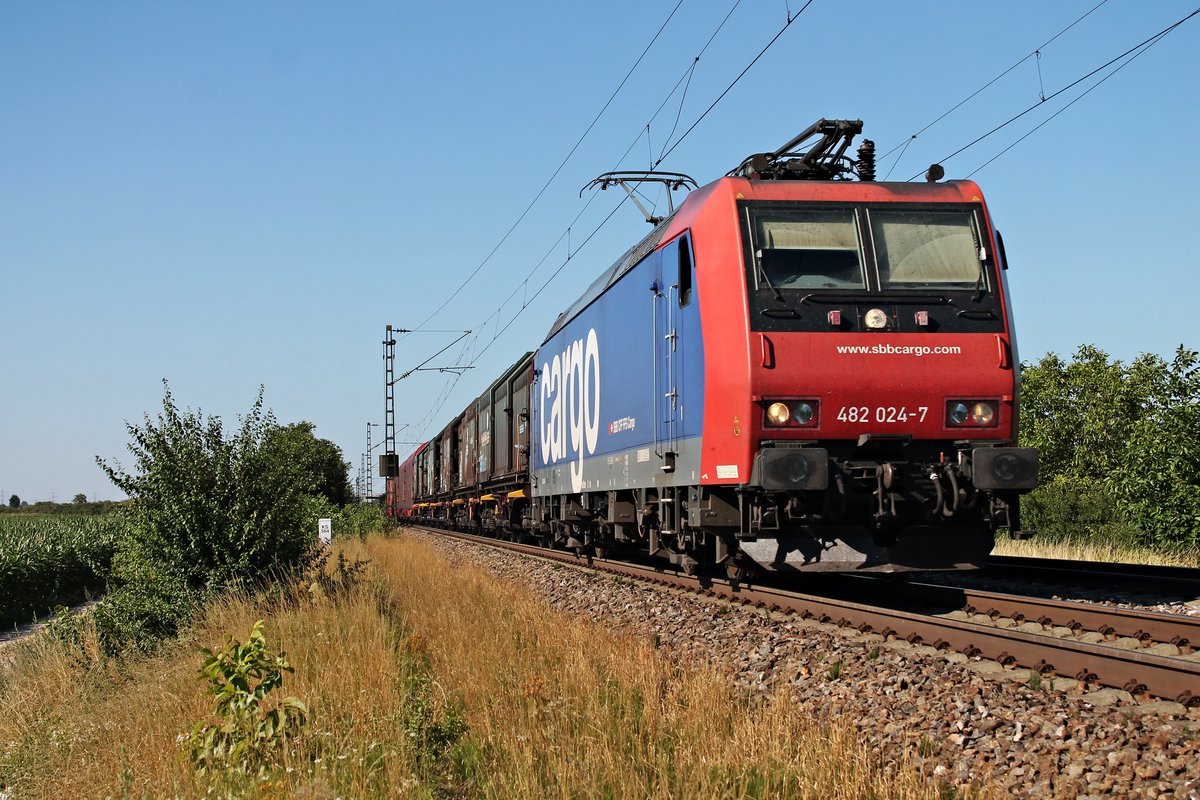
(639, 467)
(857, 549)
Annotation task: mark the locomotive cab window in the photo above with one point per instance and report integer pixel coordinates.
(806, 249)
(926, 249)
(927, 265)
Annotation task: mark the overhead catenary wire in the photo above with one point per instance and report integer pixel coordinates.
(791, 18)
(528, 300)
(688, 73)
(1164, 32)
(904, 145)
(558, 169)
(1082, 95)
(753, 61)
(523, 284)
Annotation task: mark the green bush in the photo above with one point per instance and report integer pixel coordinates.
(212, 510)
(207, 512)
(146, 603)
(1072, 509)
(1118, 446)
(250, 738)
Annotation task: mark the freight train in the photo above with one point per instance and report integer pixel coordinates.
(799, 369)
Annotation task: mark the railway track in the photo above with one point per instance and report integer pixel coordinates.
(1176, 582)
(1140, 652)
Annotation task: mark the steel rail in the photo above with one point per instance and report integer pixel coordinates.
(1147, 626)
(1180, 630)
(1132, 670)
(1180, 581)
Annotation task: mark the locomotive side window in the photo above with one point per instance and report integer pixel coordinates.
(808, 249)
(926, 249)
(685, 271)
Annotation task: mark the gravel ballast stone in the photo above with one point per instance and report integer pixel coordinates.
(964, 718)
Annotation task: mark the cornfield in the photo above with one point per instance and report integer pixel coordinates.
(50, 561)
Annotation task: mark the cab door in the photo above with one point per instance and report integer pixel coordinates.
(673, 296)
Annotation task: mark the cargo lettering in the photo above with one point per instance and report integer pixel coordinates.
(570, 405)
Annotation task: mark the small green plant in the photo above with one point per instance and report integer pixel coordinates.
(835, 671)
(1035, 680)
(430, 733)
(926, 747)
(240, 677)
(873, 654)
(337, 583)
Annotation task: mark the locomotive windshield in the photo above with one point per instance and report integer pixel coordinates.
(802, 249)
(925, 249)
(800, 257)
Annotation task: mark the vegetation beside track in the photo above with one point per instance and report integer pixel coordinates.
(1083, 547)
(48, 561)
(208, 510)
(423, 679)
(1118, 448)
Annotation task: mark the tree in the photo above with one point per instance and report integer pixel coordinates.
(1159, 485)
(214, 510)
(79, 499)
(319, 459)
(1118, 444)
(14, 502)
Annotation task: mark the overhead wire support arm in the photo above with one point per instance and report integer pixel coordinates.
(388, 461)
(421, 367)
(671, 181)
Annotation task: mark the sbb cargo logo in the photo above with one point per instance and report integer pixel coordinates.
(570, 405)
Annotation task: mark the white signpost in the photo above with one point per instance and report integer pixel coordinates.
(325, 530)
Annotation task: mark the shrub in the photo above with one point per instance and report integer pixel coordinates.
(1123, 438)
(207, 512)
(1066, 508)
(211, 510)
(250, 736)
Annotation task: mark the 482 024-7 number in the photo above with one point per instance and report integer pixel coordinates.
(882, 414)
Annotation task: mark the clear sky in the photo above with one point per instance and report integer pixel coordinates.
(229, 194)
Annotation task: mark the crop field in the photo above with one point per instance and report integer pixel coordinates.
(49, 561)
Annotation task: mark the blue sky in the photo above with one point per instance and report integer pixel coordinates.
(229, 195)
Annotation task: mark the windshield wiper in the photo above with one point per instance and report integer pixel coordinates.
(980, 289)
(762, 270)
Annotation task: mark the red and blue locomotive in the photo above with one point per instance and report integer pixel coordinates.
(794, 371)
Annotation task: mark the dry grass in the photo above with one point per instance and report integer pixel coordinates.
(552, 707)
(1087, 550)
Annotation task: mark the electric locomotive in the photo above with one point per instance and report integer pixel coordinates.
(794, 371)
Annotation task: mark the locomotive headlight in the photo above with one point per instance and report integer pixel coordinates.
(778, 414)
(971, 413)
(982, 413)
(790, 413)
(876, 319)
